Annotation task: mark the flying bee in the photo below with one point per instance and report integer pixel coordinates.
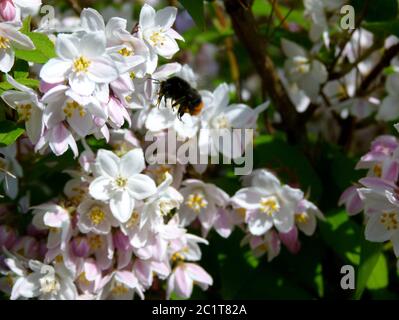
(182, 96)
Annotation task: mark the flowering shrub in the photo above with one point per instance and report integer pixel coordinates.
(198, 150)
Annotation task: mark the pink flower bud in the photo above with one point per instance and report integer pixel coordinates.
(80, 247)
(121, 241)
(32, 231)
(44, 86)
(7, 10)
(27, 246)
(8, 236)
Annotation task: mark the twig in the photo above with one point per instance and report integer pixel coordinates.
(75, 6)
(385, 61)
(246, 30)
(229, 44)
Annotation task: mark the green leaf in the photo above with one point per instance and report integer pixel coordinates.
(288, 162)
(32, 83)
(9, 132)
(342, 235)
(369, 258)
(196, 10)
(373, 11)
(44, 47)
(383, 29)
(379, 278)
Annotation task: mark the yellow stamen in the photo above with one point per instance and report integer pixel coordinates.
(81, 64)
(4, 42)
(196, 202)
(269, 205)
(96, 215)
(390, 220)
(126, 52)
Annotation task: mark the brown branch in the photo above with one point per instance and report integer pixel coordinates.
(385, 61)
(246, 30)
(75, 6)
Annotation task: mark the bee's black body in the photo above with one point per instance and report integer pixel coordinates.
(182, 95)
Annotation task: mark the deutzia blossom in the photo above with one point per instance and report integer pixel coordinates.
(268, 203)
(202, 201)
(45, 282)
(28, 106)
(118, 180)
(306, 72)
(10, 170)
(10, 39)
(82, 61)
(156, 29)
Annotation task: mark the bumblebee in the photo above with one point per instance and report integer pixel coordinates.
(182, 96)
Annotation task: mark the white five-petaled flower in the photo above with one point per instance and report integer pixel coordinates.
(46, 283)
(156, 29)
(268, 203)
(81, 60)
(11, 38)
(300, 68)
(28, 106)
(119, 181)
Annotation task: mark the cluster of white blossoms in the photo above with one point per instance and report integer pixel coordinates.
(272, 213)
(120, 228)
(11, 14)
(377, 194)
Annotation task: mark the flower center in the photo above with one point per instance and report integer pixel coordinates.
(81, 64)
(302, 65)
(132, 75)
(4, 42)
(83, 280)
(222, 122)
(390, 220)
(126, 52)
(119, 289)
(177, 257)
(24, 111)
(121, 182)
(96, 215)
(71, 106)
(49, 284)
(269, 205)
(377, 170)
(134, 219)
(95, 242)
(157, 38)
(196, 202)
(165, 206)
(302, 217)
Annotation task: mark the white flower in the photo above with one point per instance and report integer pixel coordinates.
(389, 109)
(82, 61)
(316, 11)
(382, 209)
(156, 29)
(28, 106)
(95, 217)
(46, 283)
(118, 180)
(121, 285)
(128, 52)
(10, 39)
(202, 201)
(63, 104)
(220, 118)
(306, 72)
(268, 203)
(305, 216)
(161, 203)
(10, 170)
